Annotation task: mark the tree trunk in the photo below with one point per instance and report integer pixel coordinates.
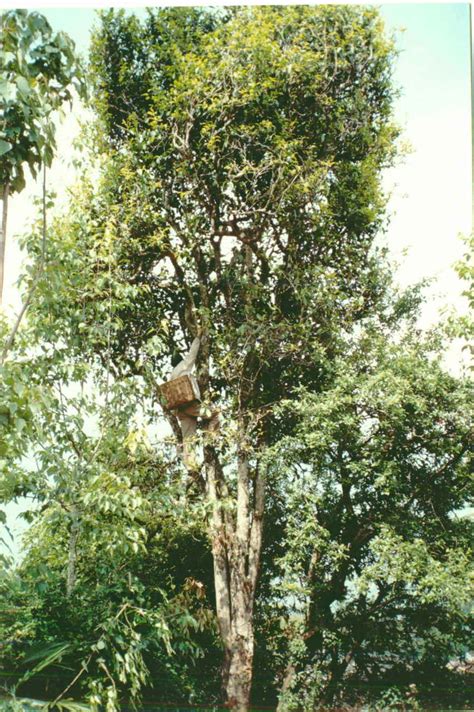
(285, 687)
(72, 553)
(3, 237)
(235, 538)
(236, 544)
(240, 661)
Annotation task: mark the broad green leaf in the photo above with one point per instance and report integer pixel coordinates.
(24, 86)
(5, 146)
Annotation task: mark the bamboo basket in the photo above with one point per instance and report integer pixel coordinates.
(180, 392)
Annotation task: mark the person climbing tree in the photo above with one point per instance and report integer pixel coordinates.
(188, 413)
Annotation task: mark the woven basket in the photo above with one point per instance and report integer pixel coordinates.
(180, 392)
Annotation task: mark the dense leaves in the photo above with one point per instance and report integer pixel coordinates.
(225, 164)
(39, 72)
(376, 560)
(232, 190)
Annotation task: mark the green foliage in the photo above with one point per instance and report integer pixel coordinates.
(23, 704)
(94, 595)
(38, 74)
(376, 571)
(224, 150)
(233, 190)
(462, 326)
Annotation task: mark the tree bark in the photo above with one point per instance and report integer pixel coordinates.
(236, 544)
(3, 237)
(285, 687)
(72, 553)
(240, 658)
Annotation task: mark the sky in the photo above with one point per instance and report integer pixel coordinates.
(432, 201)
(431, 191)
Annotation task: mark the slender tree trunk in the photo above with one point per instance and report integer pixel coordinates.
(3, 237)
(235, 539)
(285, 687)
(72, 553)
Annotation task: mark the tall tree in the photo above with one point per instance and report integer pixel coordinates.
(239, 202)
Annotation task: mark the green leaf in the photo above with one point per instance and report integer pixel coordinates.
(5, 146)
(23, 86)
(48, 656)
(7, 90)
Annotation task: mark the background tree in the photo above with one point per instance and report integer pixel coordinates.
(111, 591)
(377, 557)
(39, 72)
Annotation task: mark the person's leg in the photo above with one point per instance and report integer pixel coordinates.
(188, 425)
